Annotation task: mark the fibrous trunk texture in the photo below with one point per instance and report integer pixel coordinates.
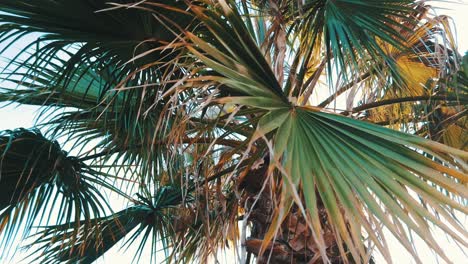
(294, 242)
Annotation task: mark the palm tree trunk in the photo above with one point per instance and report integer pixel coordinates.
(294, 242)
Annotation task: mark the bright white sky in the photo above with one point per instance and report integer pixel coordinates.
(13, 117)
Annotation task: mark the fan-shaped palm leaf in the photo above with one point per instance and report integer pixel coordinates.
(90, 34)
(199, 105)
(354, 166)
(37, 175)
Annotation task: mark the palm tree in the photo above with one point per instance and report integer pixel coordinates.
(296, 131)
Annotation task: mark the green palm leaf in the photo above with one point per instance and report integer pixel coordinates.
(363, 171)
(40, 86)
(36, 175)
(90, 35)
(151, 217)
(199, 107)
(106, 232)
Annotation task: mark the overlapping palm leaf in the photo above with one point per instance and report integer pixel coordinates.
(153, 99)
(81, 63)
(347, 36)
(446, 121)
(154, 217)
(40, 85)
(363, 173)
(114, 121)
(107, 232)
(421, 64)
(90, 34)
(42, 184)
(169, 221)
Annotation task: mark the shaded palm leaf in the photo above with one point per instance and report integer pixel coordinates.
(86, 89)
(37, 175)
(148, 218)
(156, 108)
(102, 113)
(88, 247)
(90, 35)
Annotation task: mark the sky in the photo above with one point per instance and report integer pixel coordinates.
(13, 116)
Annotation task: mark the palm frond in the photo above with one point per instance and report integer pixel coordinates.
(363, 172)
(89, 35)
(230, 52)
(37, 175)
(161, 220)
(199, 107)
(60, 246)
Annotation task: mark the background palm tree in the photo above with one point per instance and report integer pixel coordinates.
(218, 119)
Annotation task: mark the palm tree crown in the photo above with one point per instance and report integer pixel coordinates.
(295, 131)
